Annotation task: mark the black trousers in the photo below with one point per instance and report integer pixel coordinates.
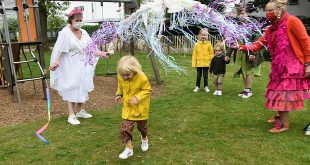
(202, 71)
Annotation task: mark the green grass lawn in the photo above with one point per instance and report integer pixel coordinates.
(184, 128)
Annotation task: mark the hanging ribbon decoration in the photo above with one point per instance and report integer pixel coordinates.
(38, 133)
(148, 23)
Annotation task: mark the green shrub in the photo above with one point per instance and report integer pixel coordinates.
(90, 28)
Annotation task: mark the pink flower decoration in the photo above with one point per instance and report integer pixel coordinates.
(74, 12)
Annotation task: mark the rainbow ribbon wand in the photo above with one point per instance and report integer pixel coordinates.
(38, 133)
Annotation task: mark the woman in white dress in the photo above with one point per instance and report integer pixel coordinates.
(70, 75)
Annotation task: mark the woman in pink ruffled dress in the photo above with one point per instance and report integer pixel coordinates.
(289, 46)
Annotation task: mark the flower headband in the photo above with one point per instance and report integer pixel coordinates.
(74, 12)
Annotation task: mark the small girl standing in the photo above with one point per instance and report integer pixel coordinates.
(134, 90)
(201, 58)
(218, 67)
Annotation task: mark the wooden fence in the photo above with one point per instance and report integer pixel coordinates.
(176, 44)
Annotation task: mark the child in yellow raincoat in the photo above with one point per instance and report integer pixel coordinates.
(134, 90)
(201, 58)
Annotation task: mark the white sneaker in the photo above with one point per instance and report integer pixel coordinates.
(246, 95)
(207, 89)
(307, 131)
(196, 89)
(219, 93)
(73, 120)
(126, 153)
(83, 114)
(215, 92)
(144, 144)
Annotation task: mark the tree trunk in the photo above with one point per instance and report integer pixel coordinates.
(128, 11)
(43, 21)
(155, 69)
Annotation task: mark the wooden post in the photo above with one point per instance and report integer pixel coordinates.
(129, 9)
(132, 46)
(155, 69)
(132, 41)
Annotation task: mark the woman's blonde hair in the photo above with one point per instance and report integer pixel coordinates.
(278, 4)
(128, 64)
(282, 2)
(220, 44)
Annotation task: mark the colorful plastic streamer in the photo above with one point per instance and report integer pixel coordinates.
(148, 23)
(38, 133)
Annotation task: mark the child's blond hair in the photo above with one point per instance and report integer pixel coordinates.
(220, 44)
(128, 64)
(201, 30)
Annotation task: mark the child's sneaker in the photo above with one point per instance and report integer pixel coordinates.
(73, 120)
(83, 114)
(207, 89)
(215, 92)
(241, 94)
(246, 95)
(307, 131)
(126, 153)
(219, 93)
(144, 144)
(196, 89)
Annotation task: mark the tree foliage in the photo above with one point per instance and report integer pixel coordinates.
(13, 28)
(55, 22)
(54, 8)
(13, 25)
(49, 8)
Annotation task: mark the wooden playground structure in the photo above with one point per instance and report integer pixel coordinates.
(14, 54)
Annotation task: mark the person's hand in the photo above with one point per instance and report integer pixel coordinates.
(307, 71)
(251, 57)
(54, 66)
(226, 58)
(134, 100)
(102, 54)
(118, 98)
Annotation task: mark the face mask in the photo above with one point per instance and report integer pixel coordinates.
(271, 17)
(77, 25)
